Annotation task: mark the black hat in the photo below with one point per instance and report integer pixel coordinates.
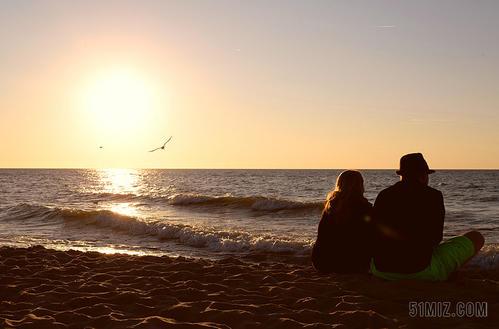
(413, 163)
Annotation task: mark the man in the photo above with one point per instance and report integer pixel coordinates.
(409, 221)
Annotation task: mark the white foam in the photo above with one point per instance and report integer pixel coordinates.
(196, 236)
(487, 258)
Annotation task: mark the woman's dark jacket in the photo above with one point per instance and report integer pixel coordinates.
(344, 238)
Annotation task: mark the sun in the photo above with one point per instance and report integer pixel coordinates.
(118, 99)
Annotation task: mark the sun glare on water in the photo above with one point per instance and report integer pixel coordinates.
(120, 181)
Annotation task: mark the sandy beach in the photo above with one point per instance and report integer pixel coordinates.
(42, 288)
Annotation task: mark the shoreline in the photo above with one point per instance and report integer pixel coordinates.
(44, 288)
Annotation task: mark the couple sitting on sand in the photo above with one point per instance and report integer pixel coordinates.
(396, 239)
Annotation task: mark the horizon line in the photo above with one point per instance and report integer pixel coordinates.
(178, 168)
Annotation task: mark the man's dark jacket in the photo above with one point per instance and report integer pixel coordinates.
(409, 220)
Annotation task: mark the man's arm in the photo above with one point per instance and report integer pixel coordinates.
(437, 229)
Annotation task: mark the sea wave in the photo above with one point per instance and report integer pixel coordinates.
(491, 198)
(93, 197)
(210, 238)
(195, 236)
(260, 203)
(254, 202)
(25, 211)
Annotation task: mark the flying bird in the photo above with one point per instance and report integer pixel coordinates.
(162, 147)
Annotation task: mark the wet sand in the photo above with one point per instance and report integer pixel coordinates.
(42, 288)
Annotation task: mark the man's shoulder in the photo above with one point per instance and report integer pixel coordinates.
(391, 189)
(387, 193)
(399, 188)
(434, 192)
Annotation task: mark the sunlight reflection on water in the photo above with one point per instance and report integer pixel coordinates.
(119, 181)
(124, 209)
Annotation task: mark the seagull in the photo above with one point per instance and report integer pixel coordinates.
(162, 147)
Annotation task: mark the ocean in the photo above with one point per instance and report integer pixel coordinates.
(252, 214)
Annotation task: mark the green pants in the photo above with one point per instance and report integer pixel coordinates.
(447, 257)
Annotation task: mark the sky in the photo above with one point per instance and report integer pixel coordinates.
(248, 84)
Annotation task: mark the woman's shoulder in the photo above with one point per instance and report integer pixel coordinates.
(365, 203)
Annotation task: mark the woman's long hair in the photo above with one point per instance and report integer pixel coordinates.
(349, 188)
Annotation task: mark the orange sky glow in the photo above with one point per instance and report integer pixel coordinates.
(248, 85)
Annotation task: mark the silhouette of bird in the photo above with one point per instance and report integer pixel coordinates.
(101, 147)
(162, 147)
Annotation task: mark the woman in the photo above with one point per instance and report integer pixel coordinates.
(344, 234)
